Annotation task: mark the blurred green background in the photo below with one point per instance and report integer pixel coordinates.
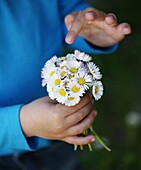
(119, 110)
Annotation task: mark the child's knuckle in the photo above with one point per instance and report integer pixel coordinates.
(80, 116)
(80, 129)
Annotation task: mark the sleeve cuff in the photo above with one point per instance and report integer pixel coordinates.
(83, 45)
(12, 136)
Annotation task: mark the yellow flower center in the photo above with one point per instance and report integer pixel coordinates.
(63, 73)
(62, 92)
(81, 81)
(96, 89)
(63, 67)
(51, 74)
(71, 98)
(73, 70)
(75, 89)
(93, 71)
(52, 89)
(71, 76)
(57, 81)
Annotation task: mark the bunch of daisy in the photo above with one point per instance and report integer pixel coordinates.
(69, 77)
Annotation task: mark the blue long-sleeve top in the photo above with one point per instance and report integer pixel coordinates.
(31, 32)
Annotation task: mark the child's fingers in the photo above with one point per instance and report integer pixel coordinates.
(111, 19)
(82, 126)
(124, 29)
(64, 111)
(75, 27)
(69, 19)
(79, 115)
(92, 14)
(81, 19)
(80, 140)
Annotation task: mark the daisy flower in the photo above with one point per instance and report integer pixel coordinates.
(51, 62)
(75, 88)
(94, 70)
(62, 72)
(51, 91)
(47, 73)
(55, 80)
(61, 95)
(84, 79)
(82, 56)
(48, 70)
(97, 90)
(70, 57)
(73, 66)
(72, 99)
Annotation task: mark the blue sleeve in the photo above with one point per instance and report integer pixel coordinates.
(80, 43)
(11, 134)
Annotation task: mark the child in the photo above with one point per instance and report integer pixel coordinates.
(31, 32)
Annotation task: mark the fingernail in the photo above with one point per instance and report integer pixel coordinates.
(68, 27)
(69, 39)
(127, 30)
(92, 14)
(95, 113)
(93, 139)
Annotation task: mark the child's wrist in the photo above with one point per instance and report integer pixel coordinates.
(26, 121)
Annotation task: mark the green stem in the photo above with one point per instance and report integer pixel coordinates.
(75, 147)
(81, 147)
(99, 139)
(90, 147)
(85, 132)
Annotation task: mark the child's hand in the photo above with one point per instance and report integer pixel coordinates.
(48, 119)
(96, 27)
